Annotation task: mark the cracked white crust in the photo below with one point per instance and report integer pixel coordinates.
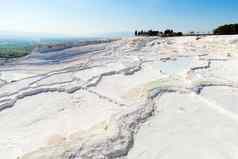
(128, 66)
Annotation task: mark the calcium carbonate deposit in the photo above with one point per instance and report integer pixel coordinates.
(134, 98)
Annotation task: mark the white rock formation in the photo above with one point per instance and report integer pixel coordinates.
(135, 98)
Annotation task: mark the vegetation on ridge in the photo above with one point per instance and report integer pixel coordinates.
(227, 29)
(166, 33)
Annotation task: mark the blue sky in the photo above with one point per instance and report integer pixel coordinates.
(88, 17)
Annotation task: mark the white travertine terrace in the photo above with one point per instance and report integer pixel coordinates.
(134, 98)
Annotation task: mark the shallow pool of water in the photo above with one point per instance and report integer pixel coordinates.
(181, 64)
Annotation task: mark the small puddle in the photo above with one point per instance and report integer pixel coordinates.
(179, 65)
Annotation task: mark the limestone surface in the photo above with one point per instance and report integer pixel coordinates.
(134, 98)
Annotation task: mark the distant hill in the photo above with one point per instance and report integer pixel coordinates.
(114, 34)
(28, 35)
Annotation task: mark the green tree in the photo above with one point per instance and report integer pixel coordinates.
(227, 29)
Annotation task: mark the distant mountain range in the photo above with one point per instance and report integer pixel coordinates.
(36, 36)
(115, 34)
(27, 36)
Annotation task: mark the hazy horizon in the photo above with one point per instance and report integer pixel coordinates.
(37, 35)
(99, 17)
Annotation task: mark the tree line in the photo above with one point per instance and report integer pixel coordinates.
(166, 33)
(227, 29)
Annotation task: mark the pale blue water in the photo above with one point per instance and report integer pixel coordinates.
(176, 66)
